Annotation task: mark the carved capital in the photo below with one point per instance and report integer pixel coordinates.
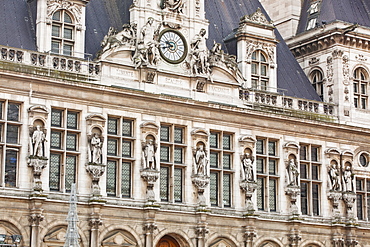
(200, 181)
(293, 192)
(294, 238)
(349, 199)
(149, 227)
(150, 175)
(35, 219)
(94, 223)
(95, 170)
(250, 234)
(37, 163)
(201, 231)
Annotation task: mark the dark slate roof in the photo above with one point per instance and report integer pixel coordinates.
(100, 15)
(224, 16)
(17, 27)
(351, 11)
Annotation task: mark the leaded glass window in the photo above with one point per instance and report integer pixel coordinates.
(172, 157)
(56, 140)
(177, 185)
(165, 154)
(126, 179)
(221, 164)
(164, 183)
(226, 188)
(127, 127)
(363, 198)
(1, 109)
(112, 147)
(71, 143)
(70, 172)
(56, 118)
(165, 133)
(267, 164)
(13, 112)
(120, 151)
(54, 171)
(12, 134)
(72, 119)
(213, 187)
(126, 148)
(11, 162)
(310, 179)
(111, 177)
(112, 126)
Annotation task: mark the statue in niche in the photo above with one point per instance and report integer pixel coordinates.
(247, 165)
(173, 5)
(200, 158)
(96, 148)
(149, 150)
(334, 176)
(147, 46)
(38, 140)
(293, 173)
(348, 178)
(199, 54)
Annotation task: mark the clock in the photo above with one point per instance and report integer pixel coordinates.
(172, 46)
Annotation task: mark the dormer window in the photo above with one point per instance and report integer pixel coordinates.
(63, 31)
(260, 78)
(313, 13)
(360, 88)
(317, 82)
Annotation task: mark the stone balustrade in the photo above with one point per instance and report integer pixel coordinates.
(262, 98)
(87, 69)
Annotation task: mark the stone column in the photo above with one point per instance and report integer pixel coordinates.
(148, 229)
(294, 238)
(201, 230)
(35, 219)
(94, 223)
(249, 235)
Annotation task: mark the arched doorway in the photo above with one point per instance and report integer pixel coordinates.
(168, 241)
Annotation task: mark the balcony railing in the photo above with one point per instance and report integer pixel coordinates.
(48, 64)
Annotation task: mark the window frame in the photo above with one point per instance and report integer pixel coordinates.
(260, 81)
(360, 94)
(62, 25)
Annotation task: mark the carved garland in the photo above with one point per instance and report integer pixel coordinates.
(269, 49)
(54, 5)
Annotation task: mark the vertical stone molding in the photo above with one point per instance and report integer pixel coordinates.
(293, 189)
(149, 170)
(35, 218)
(95, 167)
(249, 235)
(200, 170)
(37, 158)
(294, 238)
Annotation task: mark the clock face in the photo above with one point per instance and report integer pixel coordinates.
(172, 46)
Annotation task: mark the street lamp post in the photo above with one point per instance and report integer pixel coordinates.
(12, 240)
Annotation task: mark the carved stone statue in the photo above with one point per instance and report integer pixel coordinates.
(199, 54)
(149, 150)
(173, 5)
(96, 148)
(200, 158)
(348, 178)
(38, 139)
(247, 164)
(293, 173)
(147, 46)
(334, 177)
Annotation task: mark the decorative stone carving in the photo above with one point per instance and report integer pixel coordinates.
(199, 54)
(95, 170)
(346, 72)
(349, 199)
(294, 238)
(126, 37)
(150, 227)
(219, 58)
(337, 54)
(269, 49)
(147, 52)
(197, 8)
(95, 144)
(335, 197)
(338, 240)
(257, 17)
(330, 74)
(36, 218)
(95, 222)
(173, 5)
(149, 149)
(200, 176)
(314, 61)
(249, 235)
(348, 177)
(200, 85)
(334, 176)
(201, 230)
(293, 172)
(75, 9)
(361, 58)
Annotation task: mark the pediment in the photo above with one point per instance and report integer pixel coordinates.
(332, 151)
(221, 243)
(118, 238)
(220, 74)
(96, 117)
(38, 109)
(56, 235)
(257, 17)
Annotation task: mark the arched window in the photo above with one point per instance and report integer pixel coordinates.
(63, 32)
(360, 84)
(317, 82)
(260, 77)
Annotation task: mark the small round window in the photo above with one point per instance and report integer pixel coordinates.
(364, 160)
